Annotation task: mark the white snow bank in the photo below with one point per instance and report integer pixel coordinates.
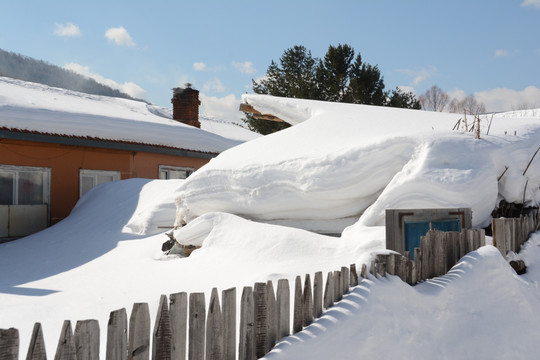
(343, 160)
(38, 108)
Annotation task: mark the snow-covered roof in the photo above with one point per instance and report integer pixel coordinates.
(344, 163)
(39, 109)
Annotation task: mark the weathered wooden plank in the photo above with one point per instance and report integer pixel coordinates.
(329, 291)
(498, 230)
(66, 344)
(307, 305)
(87, 339)
(364, 272)
(317, 294)
(380, 265)
(36, 349)
(214, 329)
(418, 264)
(414, 273)
(391, 264)
(345, 279)
(271, 314)
(9, 344)
(161, 345)
(178, 309)
(461, 246)
(246, 344)
(261, 320)
(338, 288)
(117, 335)
(298, 310)
(284, 308)
(229, 323)
(139, 332)
(197, 326)
(354, 275)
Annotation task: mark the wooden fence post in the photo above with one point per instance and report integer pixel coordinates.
(139, 332)
(36, 349)
(317, 294)
(178, 305)
(284, 308)
(246, 345)
(364, 272)
(345, 279)
(229, 323)
(86, 340)
(298, 311)
(307, 304)
(161, 348)
(354, 276)
(271, 314)
(214, 329)
(261, 320)
(329, 291)
(117, 335)
(197, 329)
(9, 344)
(338, 294)
(66, 344)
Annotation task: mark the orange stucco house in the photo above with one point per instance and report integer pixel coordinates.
(51, 154)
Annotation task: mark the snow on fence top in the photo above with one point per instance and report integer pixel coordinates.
(344, 162)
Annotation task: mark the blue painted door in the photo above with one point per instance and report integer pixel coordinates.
(414, 230)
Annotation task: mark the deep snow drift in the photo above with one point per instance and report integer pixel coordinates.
(342, 160)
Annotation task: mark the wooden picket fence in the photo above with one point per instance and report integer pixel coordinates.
(186, 327)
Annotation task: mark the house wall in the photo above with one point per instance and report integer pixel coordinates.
(66, 161)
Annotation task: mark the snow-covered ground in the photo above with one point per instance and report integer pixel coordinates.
(106, 254)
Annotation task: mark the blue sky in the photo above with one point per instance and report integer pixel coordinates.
(489, 48)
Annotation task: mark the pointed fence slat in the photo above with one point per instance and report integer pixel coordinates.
(139, 332)
(87, 339)
(229, 323)
(261, 320)
(307, 301)
(9, 344)
(214, 329)
(117, 335)
(283, 300)
(178, 305)
(197, 323)
(298, 311)
(317, 294)
(345, 279)
(161, 345)
(338, 294)
(246, 346)
(354, 276)
(329, 291)
(36, 349)
(66, 344)
(272, 315)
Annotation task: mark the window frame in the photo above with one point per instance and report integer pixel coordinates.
(16, 170)
(167, 168)
(116, 175)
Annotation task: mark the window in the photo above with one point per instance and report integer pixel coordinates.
(90, 178)
(24, 185)
(174, 172)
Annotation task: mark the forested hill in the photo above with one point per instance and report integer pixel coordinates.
(28, 69)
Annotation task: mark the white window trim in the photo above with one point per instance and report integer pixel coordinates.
(46, 180)
(166, 168)
(94, 174)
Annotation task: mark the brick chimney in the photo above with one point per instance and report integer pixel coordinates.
(186, 105)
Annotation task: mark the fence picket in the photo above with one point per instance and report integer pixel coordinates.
(36, 349)
(117, 335)
(139, 332)
(307, 302)
(229, 323)
(214, 329)
(345, 279)
(261, 320)
(66, 344)
(197, 329)
(86, 340)
(354, 275)
(161, 346)
(271, 314)
(298, 310)
(9, 344)
(178, 305)
(284, 308)
(337, 286)
(329, 291)
(246, 345)
(317, 294)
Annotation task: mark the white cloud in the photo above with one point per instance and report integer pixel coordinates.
(503, 99)
(119, 36)
(221, 107)
(199, 66)
(419, 75)
(407, 89)
(535, 3)
(245, 67)
(128, 87)
(214, 85)
(67, 29)
(500, 52)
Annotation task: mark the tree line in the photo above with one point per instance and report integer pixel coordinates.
(28, 69)
(340, 76)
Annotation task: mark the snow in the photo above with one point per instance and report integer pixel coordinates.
(343, 160)
(107, 253)
(38, 108)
